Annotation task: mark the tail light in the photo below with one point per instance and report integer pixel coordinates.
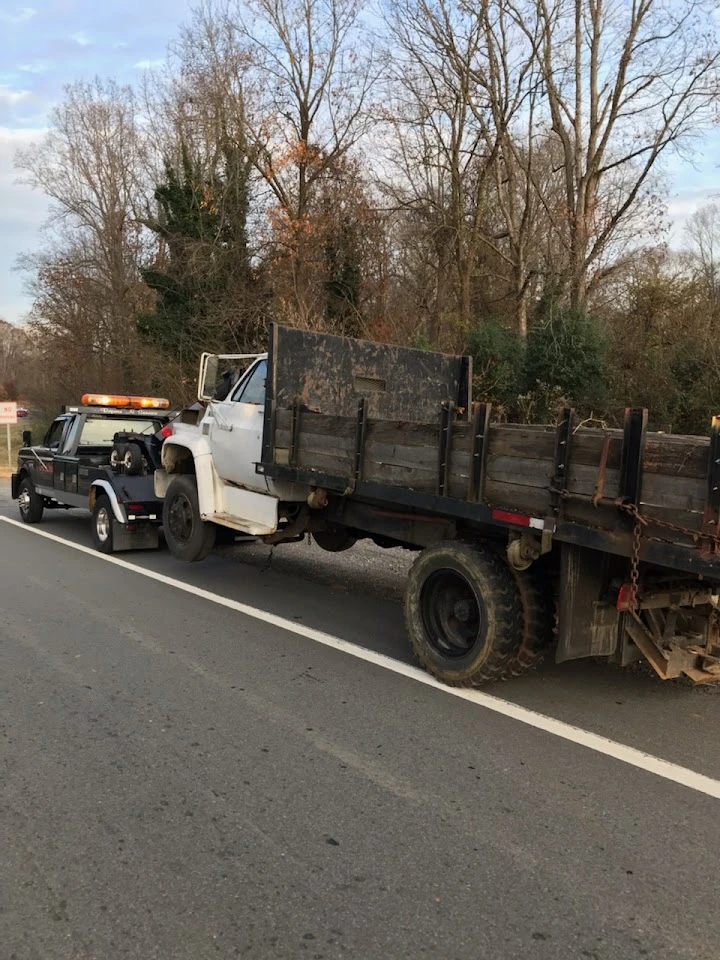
(166, 432)
(626, 597)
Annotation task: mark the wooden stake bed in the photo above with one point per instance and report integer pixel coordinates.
(326, 425)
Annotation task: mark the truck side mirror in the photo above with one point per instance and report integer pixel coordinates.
(209, 365)
(27, 438)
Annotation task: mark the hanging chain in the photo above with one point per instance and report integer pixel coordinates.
(640, 523)
(635, 562)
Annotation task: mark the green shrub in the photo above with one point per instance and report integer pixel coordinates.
(497, 363)
(564, 361)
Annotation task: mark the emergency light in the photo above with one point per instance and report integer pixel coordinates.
(140, 403)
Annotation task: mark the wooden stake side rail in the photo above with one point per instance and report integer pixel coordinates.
(490, 469)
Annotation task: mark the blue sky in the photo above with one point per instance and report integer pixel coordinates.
(44, 46)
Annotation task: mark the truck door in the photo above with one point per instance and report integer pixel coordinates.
(43, 466)
(56, 443)
(236, 430)
(66, 463)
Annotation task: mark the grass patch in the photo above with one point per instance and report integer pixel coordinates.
(37, 427)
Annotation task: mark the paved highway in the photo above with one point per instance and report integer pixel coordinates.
(182, 780)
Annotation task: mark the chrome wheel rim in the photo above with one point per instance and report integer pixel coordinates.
(102, 525)
(24, 501)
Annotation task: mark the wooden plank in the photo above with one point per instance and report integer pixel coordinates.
(582, 479)
(317, 442)
(409, 478)
(534, 501)
(334, 466)
(687, 458)
(675, 492)
(529, 442)
(528, 473)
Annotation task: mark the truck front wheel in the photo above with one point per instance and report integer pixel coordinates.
(30, 502)
(102, 525)
(188, 537)
(464, 613)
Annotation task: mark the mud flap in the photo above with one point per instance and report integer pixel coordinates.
(140, 536)
(588, 624)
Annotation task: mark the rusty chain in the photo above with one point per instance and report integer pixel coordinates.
(640, 523)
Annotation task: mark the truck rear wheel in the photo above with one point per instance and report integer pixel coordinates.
(30, 502)
(538, 620)
(464, 613)
(188, 537)
(102, 524)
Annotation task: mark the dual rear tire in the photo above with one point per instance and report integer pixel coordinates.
(471, 618)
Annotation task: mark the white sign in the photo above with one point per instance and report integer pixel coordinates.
(8, 412)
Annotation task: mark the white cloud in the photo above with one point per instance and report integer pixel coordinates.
(10, 97)
(81, 38)
(33, 67)
(20, 205)
(21, 15)
(150, 64)
(22, 213)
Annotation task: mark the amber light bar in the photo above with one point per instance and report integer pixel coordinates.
(113, 400)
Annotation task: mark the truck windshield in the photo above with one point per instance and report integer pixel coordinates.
(99, 431)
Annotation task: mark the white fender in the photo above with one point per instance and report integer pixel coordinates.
(118, 508)
(199, 449)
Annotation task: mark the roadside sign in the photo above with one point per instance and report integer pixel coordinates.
(8, 412)
(8, 415)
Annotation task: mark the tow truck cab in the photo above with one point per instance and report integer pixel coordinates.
(103, 450)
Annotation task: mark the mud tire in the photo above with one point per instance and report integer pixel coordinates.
(463, 611)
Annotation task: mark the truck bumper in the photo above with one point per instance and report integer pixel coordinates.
(15, 486)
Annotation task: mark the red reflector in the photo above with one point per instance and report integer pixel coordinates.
(505, 517)
(625, 597)
(166, 432)
(135, 507)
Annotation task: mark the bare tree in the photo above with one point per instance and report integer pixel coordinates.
(624, 82)
(435, 163)
(202, 202)
(91, 165)
(702, 233)
(16, 355)
(307, 84)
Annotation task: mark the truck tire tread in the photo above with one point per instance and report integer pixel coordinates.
(201, 539)
(36, 505)
(498, 590)
(537, 623)
(102, 503)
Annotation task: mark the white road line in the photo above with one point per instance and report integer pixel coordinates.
(566, 731)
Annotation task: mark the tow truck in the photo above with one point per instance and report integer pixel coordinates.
(99, 455)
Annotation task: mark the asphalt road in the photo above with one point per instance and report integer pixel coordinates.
(181, 781)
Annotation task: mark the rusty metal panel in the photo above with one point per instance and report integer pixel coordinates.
(588, 625)
(331, 375)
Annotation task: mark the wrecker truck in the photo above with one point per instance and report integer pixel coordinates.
(587, 542)
(100, 455)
